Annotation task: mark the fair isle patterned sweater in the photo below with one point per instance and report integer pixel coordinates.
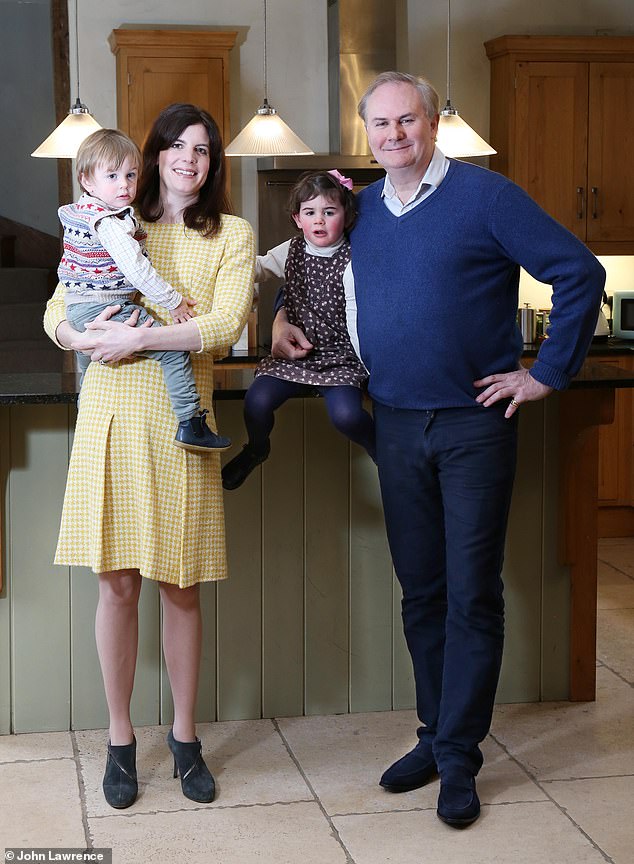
(104, 258)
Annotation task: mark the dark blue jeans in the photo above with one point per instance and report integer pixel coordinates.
(446, 481)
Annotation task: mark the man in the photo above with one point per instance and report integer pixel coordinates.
(436, 252)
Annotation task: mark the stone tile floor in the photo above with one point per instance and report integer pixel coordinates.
(557, 785)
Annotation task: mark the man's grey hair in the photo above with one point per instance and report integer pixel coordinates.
(427, 92)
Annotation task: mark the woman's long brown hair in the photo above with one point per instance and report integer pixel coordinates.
(204, 214)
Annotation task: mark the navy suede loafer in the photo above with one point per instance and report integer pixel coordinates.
(411, 771)
(458, 802)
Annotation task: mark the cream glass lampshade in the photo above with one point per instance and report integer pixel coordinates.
(64, 141)
(267, 134)
(457, 139)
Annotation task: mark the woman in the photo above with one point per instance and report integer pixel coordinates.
(136, 506)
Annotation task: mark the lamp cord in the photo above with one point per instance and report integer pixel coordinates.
(77, 49)
(265, 81)
(448, 52)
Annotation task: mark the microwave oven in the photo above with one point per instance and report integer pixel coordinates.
(623, 314)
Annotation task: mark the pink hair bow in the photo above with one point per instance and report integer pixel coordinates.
(345, 181)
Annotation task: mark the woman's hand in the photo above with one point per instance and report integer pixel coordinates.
(288, 342)
(517, 387)
(110, 341)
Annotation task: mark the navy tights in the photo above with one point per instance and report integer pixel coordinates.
(343, 402)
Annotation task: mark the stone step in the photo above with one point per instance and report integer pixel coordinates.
(31, 356)
(22, 321)
(26, 284)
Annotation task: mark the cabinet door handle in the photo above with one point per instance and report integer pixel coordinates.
(595, 202)
(580, 202)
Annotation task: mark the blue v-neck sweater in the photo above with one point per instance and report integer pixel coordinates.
(437, 289)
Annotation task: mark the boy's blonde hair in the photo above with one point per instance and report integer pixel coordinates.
(107, 147)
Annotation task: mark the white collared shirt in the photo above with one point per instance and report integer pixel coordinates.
(433, 177)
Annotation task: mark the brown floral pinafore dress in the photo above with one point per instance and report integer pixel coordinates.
(314, 300)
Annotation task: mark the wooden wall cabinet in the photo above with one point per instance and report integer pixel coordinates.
(561, 121)
(158, 67)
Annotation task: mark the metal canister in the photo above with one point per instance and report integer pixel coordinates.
(539, 326)
(527, 322)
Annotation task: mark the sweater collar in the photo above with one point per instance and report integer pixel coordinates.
(431, 180)
(88, 202)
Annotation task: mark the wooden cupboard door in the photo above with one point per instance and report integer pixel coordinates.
(155, 82)
(611, 142)
(551, 121)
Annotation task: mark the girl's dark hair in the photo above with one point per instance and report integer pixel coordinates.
(314, 183)
(204, 215)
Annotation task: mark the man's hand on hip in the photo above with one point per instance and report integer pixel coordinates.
(517, 387)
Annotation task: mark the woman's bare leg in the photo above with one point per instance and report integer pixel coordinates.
(182, 640)
(116, 634)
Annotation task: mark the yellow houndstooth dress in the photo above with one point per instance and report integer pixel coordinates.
(134, 500)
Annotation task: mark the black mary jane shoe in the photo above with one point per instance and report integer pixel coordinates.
(238, 469)
(197, 782)
(120, 786)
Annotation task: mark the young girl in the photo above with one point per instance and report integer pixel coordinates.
(322, 206)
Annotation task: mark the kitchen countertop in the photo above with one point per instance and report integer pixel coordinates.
(602, 346)
(23, 388)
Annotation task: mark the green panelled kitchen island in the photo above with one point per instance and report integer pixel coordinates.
(309, 620)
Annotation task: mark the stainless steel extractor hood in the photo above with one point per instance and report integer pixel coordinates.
(361, 43)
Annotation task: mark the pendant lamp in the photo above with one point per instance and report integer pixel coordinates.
(64, 141)
(267, 134)
(455, 137)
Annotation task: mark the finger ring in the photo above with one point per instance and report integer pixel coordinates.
(513, 402)
(102, 362)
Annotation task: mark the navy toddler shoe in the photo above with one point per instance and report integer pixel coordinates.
(194, 434)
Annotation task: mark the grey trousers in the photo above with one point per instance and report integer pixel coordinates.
(176, 365)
